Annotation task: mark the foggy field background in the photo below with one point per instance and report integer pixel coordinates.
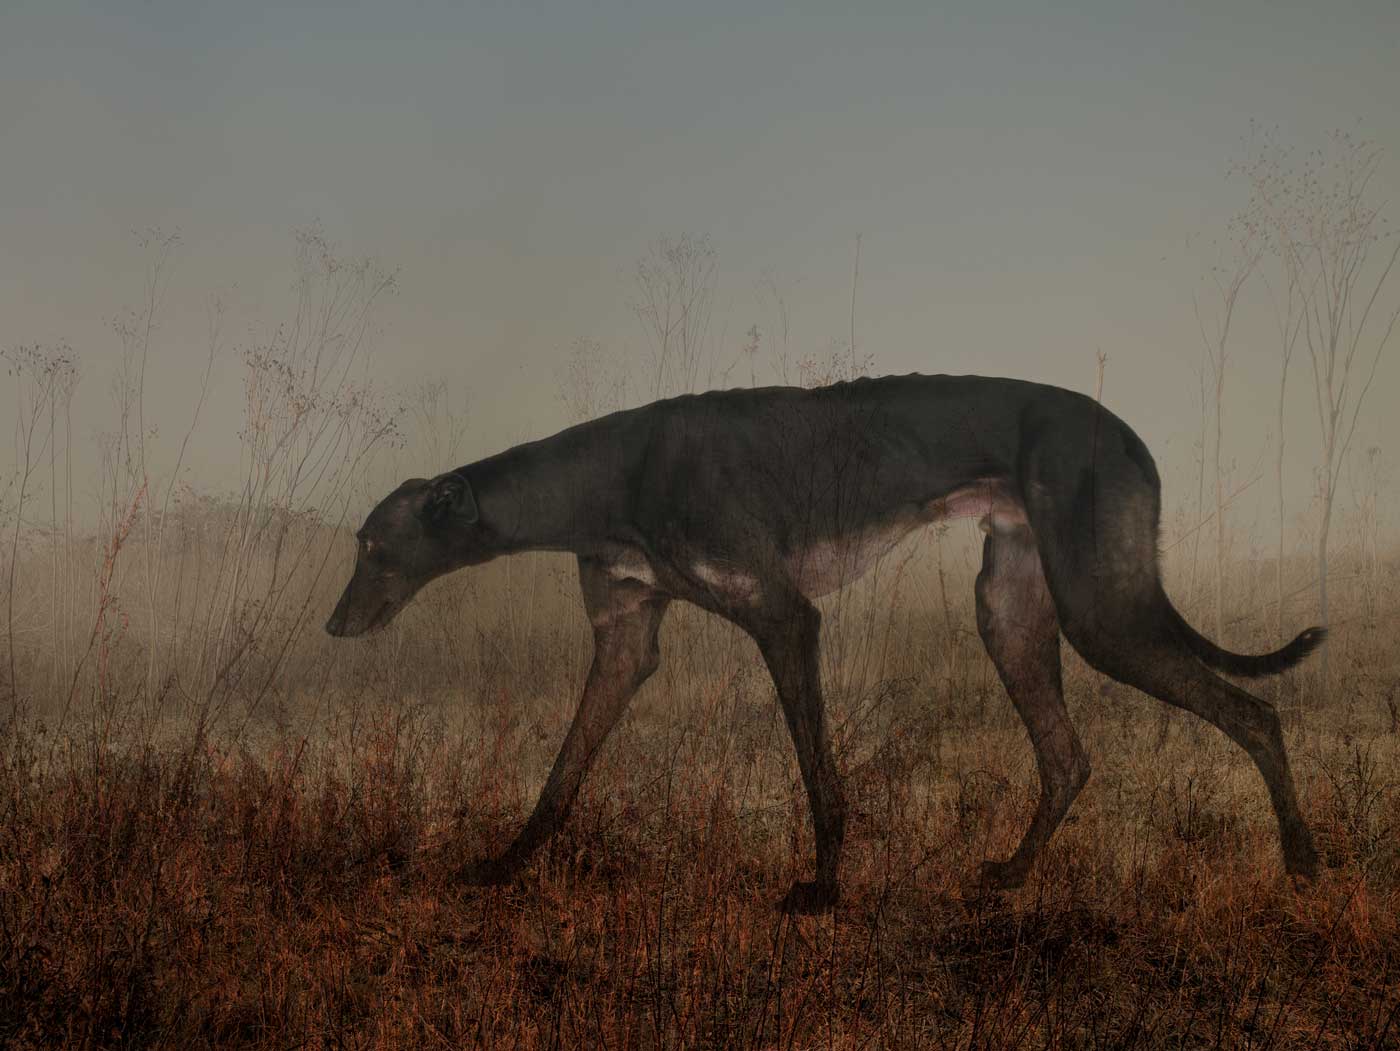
(224, 828)
(374, 242)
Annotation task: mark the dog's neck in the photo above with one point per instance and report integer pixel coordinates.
(541, 497)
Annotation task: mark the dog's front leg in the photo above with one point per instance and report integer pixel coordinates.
(789, 639)
(626, 618)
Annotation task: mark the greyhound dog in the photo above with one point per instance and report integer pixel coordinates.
(753, 503)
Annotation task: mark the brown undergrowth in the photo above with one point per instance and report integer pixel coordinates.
(302, 892)
(221, 828)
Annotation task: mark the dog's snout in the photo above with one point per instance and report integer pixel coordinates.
(339, 619)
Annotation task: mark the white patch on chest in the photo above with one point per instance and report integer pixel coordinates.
(631, 564)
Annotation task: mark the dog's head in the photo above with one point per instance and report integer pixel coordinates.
(420, 531)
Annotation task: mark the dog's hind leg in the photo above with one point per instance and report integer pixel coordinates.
(1171, 674)
(626, 618)
(1099, 551)
(1093, 497)
(1017, 621)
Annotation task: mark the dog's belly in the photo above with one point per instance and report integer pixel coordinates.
(829, 565)
(826, 566)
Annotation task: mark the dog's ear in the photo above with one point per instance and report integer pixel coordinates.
(450, 499)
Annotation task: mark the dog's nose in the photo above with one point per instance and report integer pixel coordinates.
(336, 625)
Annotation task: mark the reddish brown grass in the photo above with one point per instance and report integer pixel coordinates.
(304, 894)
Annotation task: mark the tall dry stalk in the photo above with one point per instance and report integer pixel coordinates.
(1266, 168)
(1369, 478)
(180, 595)
(780, 332)
(1227, 279)
(311, 422)
(42, 379)
(673, 298)
(1324, 224)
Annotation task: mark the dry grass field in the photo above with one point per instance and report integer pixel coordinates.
(263, 852)
(220, 827)
(223, 828)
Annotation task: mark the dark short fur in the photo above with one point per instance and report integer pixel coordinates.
(750, 503)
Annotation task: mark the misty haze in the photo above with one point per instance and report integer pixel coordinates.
(296, 623)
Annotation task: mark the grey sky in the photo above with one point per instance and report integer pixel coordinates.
(1025, 177)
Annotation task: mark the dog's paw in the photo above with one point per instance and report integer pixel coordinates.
(1300, 857)
(808, 898)
(1303, 867)
(488, 872)
(992, 877)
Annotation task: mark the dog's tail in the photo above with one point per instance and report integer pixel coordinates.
(1242, 664)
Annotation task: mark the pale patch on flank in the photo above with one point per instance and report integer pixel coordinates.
(729, 584)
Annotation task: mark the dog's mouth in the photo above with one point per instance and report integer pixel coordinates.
(378, 620)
